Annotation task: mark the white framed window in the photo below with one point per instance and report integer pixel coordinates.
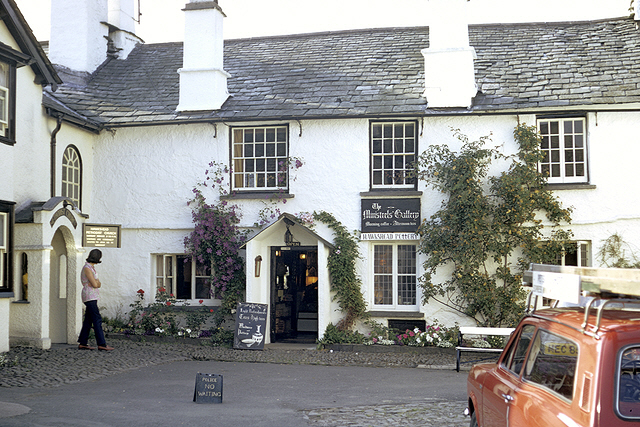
(4, 247)
(260, 158)
(564, 146)
(394, 276)
(577, 254)
(71, 175)
(184, 277)
(5, 92)
(393, 153)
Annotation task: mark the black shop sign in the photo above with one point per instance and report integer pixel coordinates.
(390, 215)
(251, 321)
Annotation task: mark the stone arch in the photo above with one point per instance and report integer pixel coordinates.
(64, 309)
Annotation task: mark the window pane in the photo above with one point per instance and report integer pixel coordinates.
(71, 177)
(382, 259)
(3, 232)
(515, 361)
(407, 275)
(383, 288)
(203, 289)
(168, 267)
(628, 385)
(397, 141)
(269, 150)
(183, 279)
(376, 131)
(552, 363)
(566, 138)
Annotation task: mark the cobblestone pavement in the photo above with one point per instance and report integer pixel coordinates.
(435, 413)
(65, 364)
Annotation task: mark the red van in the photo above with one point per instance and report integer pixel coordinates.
(571, 366)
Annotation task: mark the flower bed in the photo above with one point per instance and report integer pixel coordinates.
(363, 348)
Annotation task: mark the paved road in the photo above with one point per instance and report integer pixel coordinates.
(254, 394)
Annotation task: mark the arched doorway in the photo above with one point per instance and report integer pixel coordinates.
(58, 289)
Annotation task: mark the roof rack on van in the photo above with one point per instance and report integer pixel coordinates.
(606, 287)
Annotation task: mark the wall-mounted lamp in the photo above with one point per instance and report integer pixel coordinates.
(258, 265)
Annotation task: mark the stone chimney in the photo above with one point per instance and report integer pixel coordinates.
(122, 28)
(448, 62)
(203, 81)
(85, 32)
(78, 34)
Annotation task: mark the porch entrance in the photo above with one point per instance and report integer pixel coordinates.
(294, 294)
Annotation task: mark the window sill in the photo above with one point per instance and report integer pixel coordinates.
(21, 301)
(257, 195)
(5, 294)
(577, 186)
(7, 141)
(397, 314)
(391, 193)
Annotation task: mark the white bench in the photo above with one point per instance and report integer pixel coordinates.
(480, 331)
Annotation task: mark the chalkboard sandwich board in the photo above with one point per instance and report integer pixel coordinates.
(251, 321)
(208, 388)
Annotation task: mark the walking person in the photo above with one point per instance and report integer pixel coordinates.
(90, 294)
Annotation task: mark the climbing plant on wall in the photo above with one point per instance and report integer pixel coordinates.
(216, 241)
(342, 267)
(488, 228)
(615, 252)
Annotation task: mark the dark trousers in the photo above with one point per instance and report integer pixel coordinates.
(92, 318)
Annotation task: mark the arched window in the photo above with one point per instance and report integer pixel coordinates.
(72, 175)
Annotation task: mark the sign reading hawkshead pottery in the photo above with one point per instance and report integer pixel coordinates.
(208, 388)
(251, 321)
(399, 216)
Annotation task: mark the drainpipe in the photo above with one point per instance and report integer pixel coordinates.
(53, 155)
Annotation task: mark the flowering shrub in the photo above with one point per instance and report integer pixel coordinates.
(196, 318)
(379, 334)
(435, 335)
(157, 318)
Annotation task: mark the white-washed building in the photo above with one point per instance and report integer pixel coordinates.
(141, 123)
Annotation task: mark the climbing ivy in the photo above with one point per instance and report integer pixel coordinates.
(488, 229)
(342, 267)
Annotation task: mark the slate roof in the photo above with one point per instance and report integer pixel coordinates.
(373, 73)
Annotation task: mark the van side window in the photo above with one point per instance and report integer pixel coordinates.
(552, 363)
(629, 383)
(518, 350)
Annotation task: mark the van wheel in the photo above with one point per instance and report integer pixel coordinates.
(474, 420)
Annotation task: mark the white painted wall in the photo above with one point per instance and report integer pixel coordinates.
(143, 178)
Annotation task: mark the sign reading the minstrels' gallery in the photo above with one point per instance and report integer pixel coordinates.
(100, 236)
(251, 321)
(390, 215)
